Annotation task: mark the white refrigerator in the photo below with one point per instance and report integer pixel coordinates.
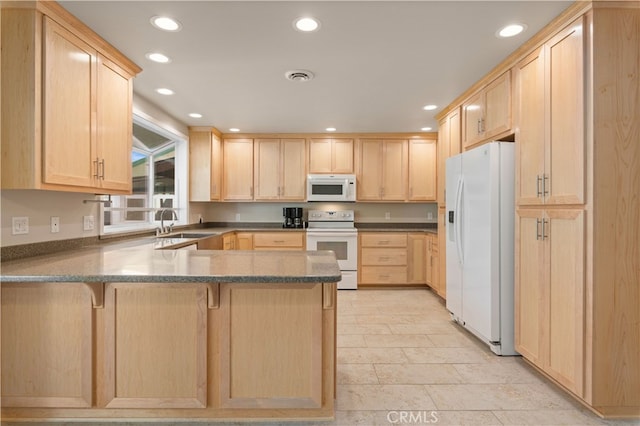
(480, 242)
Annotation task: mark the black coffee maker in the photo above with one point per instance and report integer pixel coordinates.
(292, 217)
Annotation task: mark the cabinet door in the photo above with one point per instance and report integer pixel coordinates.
(269, 345)
(69, 152)
(156, 345)
(320, 156)
(293, 171)
(342, 156)
(472, 115)
(370, 179)
(530, 136)
(47, 345)
(244, 241)
(422, 170)
(435, 265)
(564, 236)
(204, 166)
(238, 169)
(267, 169)
(416, 268)
(114, 119)
(394, 170)
(565, 160)
(530, 291)
(497, 108)
(443, 154)
(229, 241)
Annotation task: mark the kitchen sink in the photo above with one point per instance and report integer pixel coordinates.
(185, 235)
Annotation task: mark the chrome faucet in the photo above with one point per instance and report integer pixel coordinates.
(168, 228)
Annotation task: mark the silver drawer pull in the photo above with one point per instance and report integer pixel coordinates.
(383, 258)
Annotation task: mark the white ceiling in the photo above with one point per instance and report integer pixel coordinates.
(376, 63)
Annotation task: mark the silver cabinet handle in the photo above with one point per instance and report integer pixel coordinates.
(544, 233)
(383, 258)
(538, 235)
(96, 174)
(538, 182)
(101, 163)
(478, 127)
(545, 190)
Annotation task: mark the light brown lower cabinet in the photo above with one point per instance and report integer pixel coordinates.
(279, 240)
(550, 293)
(432, 262)
(167, 350)
(392, 258)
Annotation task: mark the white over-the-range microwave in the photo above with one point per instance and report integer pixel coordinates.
(331, 187)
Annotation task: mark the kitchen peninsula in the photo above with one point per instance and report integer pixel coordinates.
(125, 331)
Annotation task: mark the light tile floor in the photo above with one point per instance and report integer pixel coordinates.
(399, 354)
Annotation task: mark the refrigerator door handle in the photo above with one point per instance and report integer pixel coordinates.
(458, 223)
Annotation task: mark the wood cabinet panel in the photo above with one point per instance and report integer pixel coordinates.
(279, 240)
(383, 239)
(205, 166)
(487, 113)
(238, 169)
(331, 156)
(294, 176)
(267, 169)
(391, 256)
(551, 136)
(114, 126)
(271, 340)
(422, 170)
(280, 169)
(67, 113)
(449, 142)
(416, 253)
(156, 340)
(244, 241)
(69, 87)
(382, 172)
(46, 345)
(383, 275)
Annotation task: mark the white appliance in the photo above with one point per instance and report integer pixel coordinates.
(331, 188)
(480, 243)
(335, 230)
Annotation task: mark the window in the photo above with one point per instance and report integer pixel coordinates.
(158, 162)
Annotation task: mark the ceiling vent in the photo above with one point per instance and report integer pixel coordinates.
(299, 75)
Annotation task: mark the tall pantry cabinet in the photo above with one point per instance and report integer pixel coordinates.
(578, 211)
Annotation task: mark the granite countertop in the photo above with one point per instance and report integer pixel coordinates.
(140, 261)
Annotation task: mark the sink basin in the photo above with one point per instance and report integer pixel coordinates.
(185, 235)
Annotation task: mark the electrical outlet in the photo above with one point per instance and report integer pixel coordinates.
(87, 222)
(429, 216)
(55, 224)
(237, 217)
(387, 215)
(20, 225)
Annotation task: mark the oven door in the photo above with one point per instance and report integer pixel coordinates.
(343, 243)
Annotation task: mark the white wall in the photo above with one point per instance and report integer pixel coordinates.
(272, 212)
(39, 206)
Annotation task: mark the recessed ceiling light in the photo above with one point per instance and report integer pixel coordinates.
(429, 107)
(511, 30)
(426, 129)
(158, 57)
(234, 129)
(306, 24)
(164, 91)
(330, 129)
(165, 23)
(195, 115)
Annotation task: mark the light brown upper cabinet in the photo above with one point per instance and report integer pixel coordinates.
(67, 114)
(205, 166)
(331, 156)
(423, 156)
(382, 170)
(238, 169)
(487, 114)
(279, 169)
(448, 146)
(551, 134)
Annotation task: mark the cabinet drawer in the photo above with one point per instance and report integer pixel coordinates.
(278, 239)
(383, 275)
(377, 256)
(383, 239)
